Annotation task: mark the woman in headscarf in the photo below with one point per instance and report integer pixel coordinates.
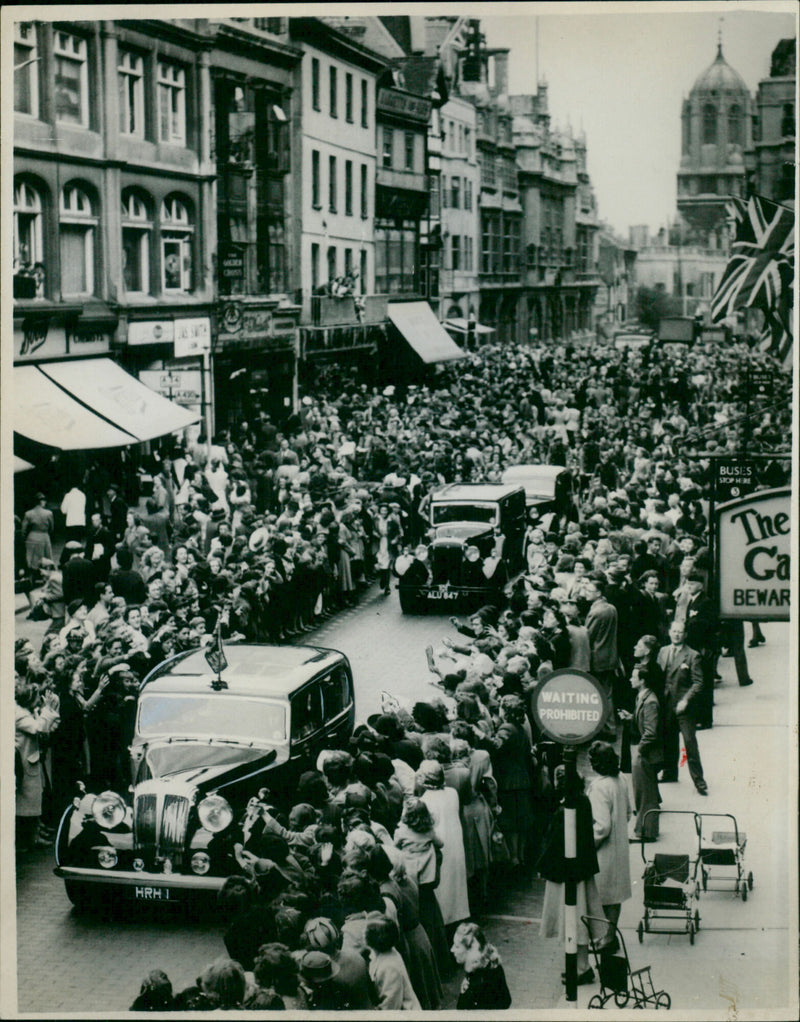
(476, 817)
(442, 802)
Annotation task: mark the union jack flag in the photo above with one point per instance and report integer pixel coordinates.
(760, 271)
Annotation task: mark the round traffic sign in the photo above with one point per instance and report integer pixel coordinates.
(570, 706)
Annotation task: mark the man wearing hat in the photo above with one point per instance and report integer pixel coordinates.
(701, 635)
(317, 972)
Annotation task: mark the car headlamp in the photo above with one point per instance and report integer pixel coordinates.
(201, 863)
(215, 813)
(108, 810)
(472, 553)
(107, 857)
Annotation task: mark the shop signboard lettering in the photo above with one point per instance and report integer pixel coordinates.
(401, 103)
(231, 267)
(39, 339)
(192, 336)
(88, 340)
(570, 706)
(753, 557)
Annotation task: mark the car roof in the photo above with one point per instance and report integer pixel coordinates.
(467, 492)
(253, 669)
(534, 478)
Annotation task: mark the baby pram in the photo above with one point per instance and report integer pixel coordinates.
(724, 848)
(618, 979)
(670, 891)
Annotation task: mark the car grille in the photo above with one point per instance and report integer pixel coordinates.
(160, 821)
(446, 564)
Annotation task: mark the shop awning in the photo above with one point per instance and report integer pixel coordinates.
(120, 398)
(45, 413)
(462, 326)
(423, 331)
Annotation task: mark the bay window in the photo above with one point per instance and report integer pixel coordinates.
(171, 103)
(176, 246)
(26, 74)
(77, 226)
(130, 75)
(136, 232)
(71, 79)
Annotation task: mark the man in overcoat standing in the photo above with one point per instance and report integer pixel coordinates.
(683, 675)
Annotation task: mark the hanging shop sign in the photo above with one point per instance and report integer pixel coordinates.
(734, 478)
(231, 267)
(570, 706)
(753, 557)
(151, 331)
(38, 338)
(183, 386)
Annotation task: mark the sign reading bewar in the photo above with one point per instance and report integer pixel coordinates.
(570, 706)
(753, 556)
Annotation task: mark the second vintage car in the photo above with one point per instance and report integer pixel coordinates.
(211, 750)
(474, 548)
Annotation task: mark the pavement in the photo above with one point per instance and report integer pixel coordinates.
(744, 959)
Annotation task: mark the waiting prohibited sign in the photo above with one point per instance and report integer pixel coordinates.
(570, 706)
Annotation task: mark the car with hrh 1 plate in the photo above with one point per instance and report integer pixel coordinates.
(207, 745)
(474, 548)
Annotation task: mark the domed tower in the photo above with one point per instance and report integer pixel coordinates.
(715, 132)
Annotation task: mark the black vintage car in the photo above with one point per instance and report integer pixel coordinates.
(474, 548)
(206, 746)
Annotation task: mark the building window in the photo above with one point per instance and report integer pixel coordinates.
(364, 103)
(511, 246)
(136, 231)
(348, 188)
(76, 234)
(28, 248)
(26, 73)
(409, 150)
(364, 192)
(467, 193)
(735, 125)
(130, 76)
(171, 103)
(455, 192)
(315, 281)
(787, 121)
(362, 273)
(315, 83)
(331, 263)
(395, 260)
(332, 184)
(445, 195)
(434, 184)
(348, 97)
(467, 143)
(348, 262)
(708, 185)
(487, 170)
(71, 79)
(455, 252)
(176, 246)
(709, 124)
(315, 188)
(388, 148)
(334, 99)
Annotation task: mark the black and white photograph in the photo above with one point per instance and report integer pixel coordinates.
(399, 503)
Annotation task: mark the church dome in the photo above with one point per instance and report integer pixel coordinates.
(719, 77)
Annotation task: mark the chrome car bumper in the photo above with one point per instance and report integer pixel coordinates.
(143, 880)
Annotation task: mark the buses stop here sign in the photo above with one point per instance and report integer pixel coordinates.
(570, 706)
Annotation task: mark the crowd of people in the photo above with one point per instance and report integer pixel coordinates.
(393, 846)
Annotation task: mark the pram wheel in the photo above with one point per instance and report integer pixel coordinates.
(696, 920)
(691, 931)
(744, 892)
(596, 1001)
(750, 881)
(621, 998)
(640, 931)
(663, 1000)
(705, 879)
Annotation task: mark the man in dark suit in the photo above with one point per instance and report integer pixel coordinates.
(99, 547)
(683, 675)
(701, 635)
(78, 575)
(648, 616)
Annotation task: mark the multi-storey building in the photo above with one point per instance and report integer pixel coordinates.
(256, 342)
(114, 225)
(770, 161)
(334, 204)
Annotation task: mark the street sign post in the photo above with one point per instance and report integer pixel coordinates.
(570, 707)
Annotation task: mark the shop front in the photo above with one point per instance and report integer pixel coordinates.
(255, 350)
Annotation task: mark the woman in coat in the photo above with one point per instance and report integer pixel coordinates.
(484, 985)
(513, 771)
(442, 802)
(611, 810)
(648, 721)
(31, 722)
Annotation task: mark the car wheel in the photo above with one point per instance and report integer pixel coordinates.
(83, 896)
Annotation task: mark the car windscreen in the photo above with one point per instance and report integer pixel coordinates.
(443, 513)
(214, 713)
